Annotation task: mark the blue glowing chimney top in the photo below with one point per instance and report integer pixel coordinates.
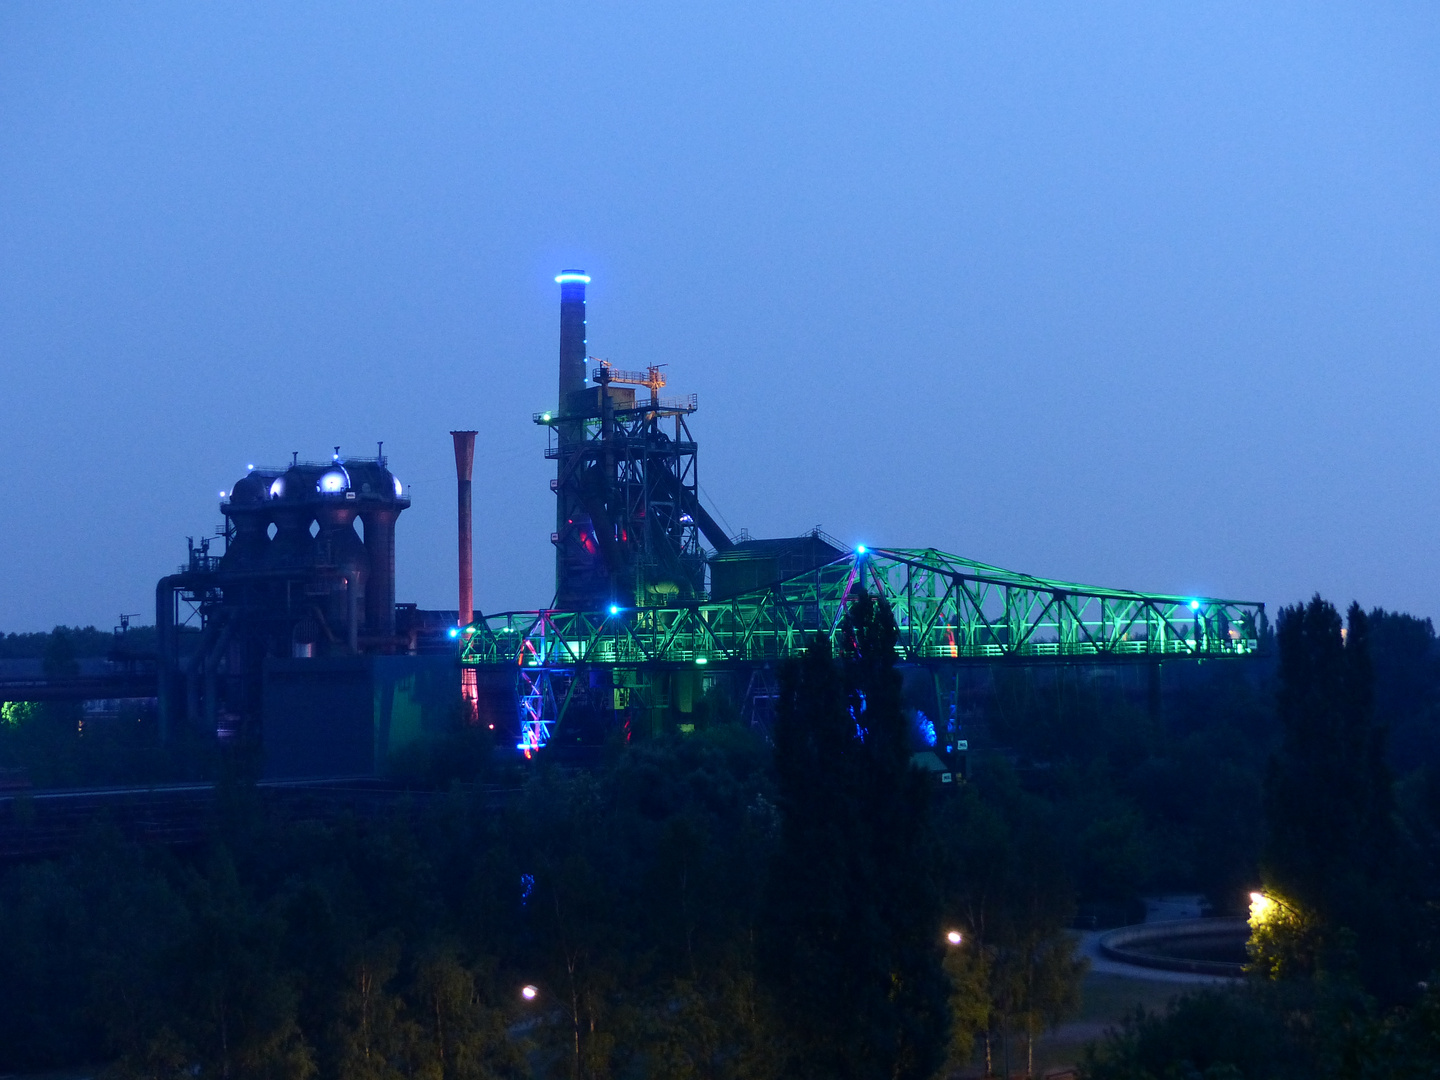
(573, 349)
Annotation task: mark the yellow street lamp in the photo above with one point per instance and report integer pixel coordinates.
(1261, 907)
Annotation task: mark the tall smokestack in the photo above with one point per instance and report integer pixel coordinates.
(572, 334)
(572, 381)
(464, 463)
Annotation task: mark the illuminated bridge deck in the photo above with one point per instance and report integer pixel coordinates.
(947, 609)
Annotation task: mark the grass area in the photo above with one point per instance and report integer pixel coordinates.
(1111, 997)
(1106, 1000)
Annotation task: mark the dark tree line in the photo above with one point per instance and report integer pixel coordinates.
(1344, 924)
(702, 907)
(851, 939)
(710, 906)
(67, 642)
(57, 744)
(692, 908)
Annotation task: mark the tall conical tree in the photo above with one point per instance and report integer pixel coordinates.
(1331, 855)
(851, 942)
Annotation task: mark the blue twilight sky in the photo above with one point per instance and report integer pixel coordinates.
(1136, 294)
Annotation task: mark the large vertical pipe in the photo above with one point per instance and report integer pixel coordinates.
(464, 464)
(352, 612)
(573, 351)
(572, 335)
(209, 666)
(380, 584)
(167, 657)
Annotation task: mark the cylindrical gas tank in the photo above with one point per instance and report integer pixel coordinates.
(292, 509)
(249, 512)
(380, 499)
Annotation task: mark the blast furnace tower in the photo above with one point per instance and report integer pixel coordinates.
(628, 519)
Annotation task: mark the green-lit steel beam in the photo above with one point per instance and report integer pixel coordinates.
(947, 608)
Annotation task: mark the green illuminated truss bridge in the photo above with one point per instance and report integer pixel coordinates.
(949, 610)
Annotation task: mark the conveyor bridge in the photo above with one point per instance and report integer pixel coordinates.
(949, 610)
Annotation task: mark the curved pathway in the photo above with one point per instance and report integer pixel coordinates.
(1090, 948)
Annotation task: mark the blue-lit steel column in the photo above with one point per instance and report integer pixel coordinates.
(571, 433)
(572, 336)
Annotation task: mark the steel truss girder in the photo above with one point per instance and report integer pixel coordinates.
(946, 608)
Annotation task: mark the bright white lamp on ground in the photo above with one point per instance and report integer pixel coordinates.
(528, 992)
(954, 937)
